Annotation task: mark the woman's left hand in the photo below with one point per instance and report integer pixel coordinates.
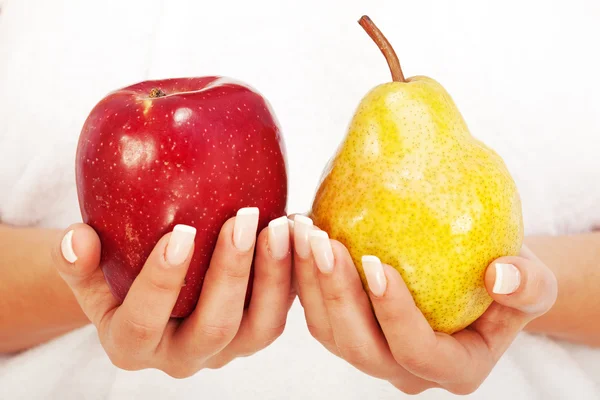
(396, 342)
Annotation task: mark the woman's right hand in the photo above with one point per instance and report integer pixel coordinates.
(139, 333)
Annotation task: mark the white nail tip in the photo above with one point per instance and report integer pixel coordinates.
(302, 228)
(277, 222)
(180, 244)
(301, 219)
(370, 259)
(185, 228)
(66, 247)
(248, 211)
(279, 238)
(322, 251)
(373, 270)
(319, 234)
(244, 229)
(508, 279)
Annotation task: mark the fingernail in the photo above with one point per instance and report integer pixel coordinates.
(302, 228)
(180, 244)
(508, 279)
(321, 249)
(66, 246)
(244, 230)
(291, 224)
(375, 275)
(279, 238)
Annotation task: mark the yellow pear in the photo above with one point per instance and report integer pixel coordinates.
(410, 185)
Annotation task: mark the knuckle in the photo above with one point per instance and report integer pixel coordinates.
(499, 326)
(320, 334)
(342, 293)
(179, 372)
(238, 270)
(263, 337)
(417, 361)
(136, 331)
(278, 330)
(122, 360)
(464, 388)
(393, 311)
(218, 363)
(218, 333)
(325, 337)
(387, 317)
(161, 284)
(335, 297)
(410, 388)
(358, 355)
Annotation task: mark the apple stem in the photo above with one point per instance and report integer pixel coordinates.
(156, 93)
(385, 47)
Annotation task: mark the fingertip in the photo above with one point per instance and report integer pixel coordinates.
(177, 247)
(507, 278)
(388, 281)
(79, 249)
(503, 276)
(375, 274)
(517, 282)
(245, 228)
(276, 238)
(66, 246)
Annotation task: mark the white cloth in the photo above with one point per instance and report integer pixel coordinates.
(524, 74)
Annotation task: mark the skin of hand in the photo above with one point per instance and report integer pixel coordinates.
(393, 340)
(140, 334)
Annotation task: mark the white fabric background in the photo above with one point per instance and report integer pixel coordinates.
(524, 74)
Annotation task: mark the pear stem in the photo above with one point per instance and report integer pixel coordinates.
(385, 47)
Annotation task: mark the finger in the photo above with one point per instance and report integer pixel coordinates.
(140, 321)
(294, 283)
(266, 316)
(307, 281)
(355, 329)
(524, 284)
(216, 319)
(412, 341)
(77, 258)
(291, 218)
(522, 289)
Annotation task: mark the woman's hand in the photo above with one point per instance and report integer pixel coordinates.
(140, 334)
(396, 343)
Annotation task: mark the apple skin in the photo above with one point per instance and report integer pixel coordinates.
(205, 148)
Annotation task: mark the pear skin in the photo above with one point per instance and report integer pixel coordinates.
(412, 186)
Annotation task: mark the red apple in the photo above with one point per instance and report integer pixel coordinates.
(177, 151)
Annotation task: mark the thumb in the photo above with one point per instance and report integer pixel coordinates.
(77, 259)
(522, 283)
(77, 253)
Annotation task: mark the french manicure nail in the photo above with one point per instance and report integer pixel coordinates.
(66, 246)
(375, 275)
(508, 279)
(180, 244)
(279, 238)
(244, 229)
(302, 228)
(321, 249)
